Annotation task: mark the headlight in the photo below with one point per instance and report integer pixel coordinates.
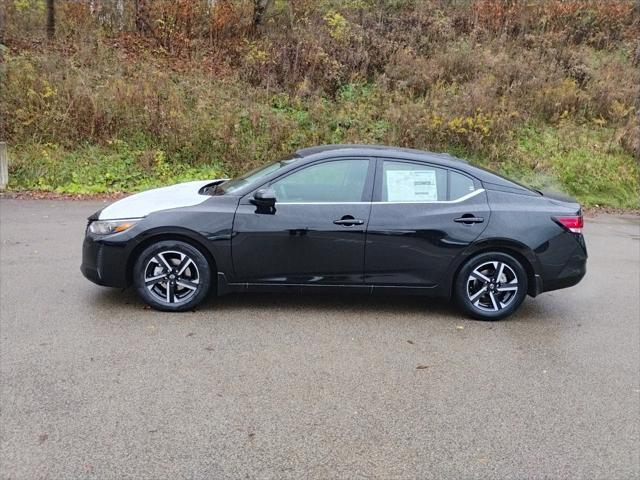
(105, 227)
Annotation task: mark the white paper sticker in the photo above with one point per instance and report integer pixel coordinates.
(411, 185)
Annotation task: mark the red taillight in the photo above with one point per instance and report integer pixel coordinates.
(573, 223)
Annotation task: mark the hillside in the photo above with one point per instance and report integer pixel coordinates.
(131, 94)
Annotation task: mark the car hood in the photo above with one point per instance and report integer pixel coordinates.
(143, 203)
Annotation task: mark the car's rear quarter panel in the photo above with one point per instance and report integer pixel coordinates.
(528, 220)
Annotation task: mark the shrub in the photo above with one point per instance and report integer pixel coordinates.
(184, 87)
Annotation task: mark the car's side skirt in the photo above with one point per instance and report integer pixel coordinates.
(225, 287)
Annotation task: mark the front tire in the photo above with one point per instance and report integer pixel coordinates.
(172, 276)
(491, 286)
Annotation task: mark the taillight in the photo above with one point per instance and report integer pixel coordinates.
(573, 223)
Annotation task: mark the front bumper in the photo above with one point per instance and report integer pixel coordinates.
(104, 262)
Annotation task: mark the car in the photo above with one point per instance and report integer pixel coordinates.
(342, 218)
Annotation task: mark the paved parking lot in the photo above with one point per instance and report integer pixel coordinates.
(93, 385)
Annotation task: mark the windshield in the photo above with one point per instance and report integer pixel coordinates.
(235, 184)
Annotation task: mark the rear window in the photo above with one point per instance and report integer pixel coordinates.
(508, 180)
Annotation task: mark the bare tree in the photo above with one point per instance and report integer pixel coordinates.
(51, 20)
(2, 20)
(120, 14)
(141, 14)
(260, 7)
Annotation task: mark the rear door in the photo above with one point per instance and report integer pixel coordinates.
(315, 235)
(421, 218)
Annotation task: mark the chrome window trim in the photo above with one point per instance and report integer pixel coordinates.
(457, 200)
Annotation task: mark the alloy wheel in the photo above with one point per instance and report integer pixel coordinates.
(172, 277)
(492, 286)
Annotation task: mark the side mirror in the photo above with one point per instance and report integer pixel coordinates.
(265, 197)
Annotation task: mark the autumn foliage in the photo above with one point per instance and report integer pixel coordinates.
(234, 83)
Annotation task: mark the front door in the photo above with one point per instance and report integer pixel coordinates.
(422, 217)
(315, 234)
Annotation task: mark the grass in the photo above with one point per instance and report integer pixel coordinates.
(580, 160)
(583, 161)
(91, 169)
(543, 92)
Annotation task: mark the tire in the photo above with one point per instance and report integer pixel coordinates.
(172, 276)
(491, 286)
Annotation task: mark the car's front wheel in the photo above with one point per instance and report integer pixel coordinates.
(491, 286)
(172, 276)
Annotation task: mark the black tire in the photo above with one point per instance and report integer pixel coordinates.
(172, 276)
(485, 296)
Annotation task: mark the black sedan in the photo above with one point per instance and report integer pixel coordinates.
(342, 218)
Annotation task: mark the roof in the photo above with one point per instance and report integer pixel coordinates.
(373, 150)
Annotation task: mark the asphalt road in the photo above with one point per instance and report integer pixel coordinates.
(96, 386)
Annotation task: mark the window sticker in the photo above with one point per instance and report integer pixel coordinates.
(411, 185)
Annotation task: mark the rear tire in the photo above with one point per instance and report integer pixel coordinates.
(172, 276)
(491, 286)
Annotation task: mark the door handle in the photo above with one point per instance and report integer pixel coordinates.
(468, 219)
(348, 221)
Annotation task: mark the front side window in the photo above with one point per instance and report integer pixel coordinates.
(411, 182)
(335, 181)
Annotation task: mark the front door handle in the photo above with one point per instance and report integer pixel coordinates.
(348, 221)
(468, 219)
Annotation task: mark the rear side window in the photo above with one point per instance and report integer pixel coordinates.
(459, 185)
(411, 182)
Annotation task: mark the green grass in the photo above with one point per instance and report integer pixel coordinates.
(91, 169)
(580, 160)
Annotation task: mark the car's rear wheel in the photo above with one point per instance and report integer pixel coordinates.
(491, 286)
(172, 276)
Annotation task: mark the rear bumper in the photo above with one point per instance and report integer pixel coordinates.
(572, 272)
(570, 276)
(104, 263)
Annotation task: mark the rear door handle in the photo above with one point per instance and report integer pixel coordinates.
(468, 219)
(348, 221)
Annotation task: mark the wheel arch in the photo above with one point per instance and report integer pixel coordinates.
(183, 236)
(519, 251)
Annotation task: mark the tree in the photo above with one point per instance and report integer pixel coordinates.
(260, 7)
(2, 20)
(51, 20)
(141, 14)
(120, 14)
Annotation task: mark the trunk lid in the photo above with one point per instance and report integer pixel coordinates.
(561, 200)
